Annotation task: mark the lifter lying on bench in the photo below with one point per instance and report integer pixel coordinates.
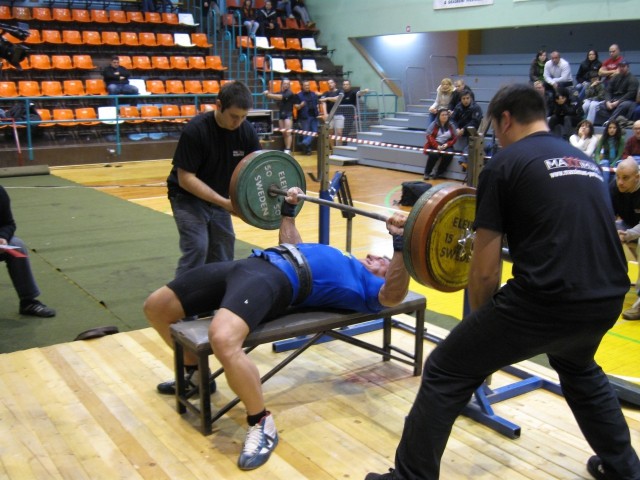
(246, 292)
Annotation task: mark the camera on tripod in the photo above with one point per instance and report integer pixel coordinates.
(14, 53)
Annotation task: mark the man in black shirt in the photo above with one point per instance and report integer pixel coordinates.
(349, 106)
(116, 78)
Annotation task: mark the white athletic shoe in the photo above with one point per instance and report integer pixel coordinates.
(260, 441)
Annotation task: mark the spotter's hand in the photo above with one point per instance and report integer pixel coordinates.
(395, 223)
(292, 195)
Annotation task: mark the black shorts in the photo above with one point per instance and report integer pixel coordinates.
(252, 288)
(284, 115)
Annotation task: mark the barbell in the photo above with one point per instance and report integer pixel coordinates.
(437, 234)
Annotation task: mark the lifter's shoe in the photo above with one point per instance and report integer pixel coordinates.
(193, 381)
(260, 441)
(632, 313)
(380, 476)
(35, 308)
(595, 468)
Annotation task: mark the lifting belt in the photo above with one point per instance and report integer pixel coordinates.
(291, 253)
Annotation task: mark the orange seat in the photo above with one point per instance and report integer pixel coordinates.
(152, 17)
(80, 15)
(40, 62)
(45, 115)
(140, 62)
(135, 16)
(147, 39)
(214, 62)
(72, 37)
(87, 116)
(129, 38)
(51, 36)
(179, 63)
(244, 42)
(83, 62)
(278, 43)
(210, 86)
(170, 112)
(200, 40)
(207, 107)
(61, 14)
(174, 86)
(155, 86)
(42, 14)
(73, 88)
(34, 37)
(130, 114)
(64, 116)
(197, 63)
(91, 37)
(7, 36)
(99, 16)
(313, 86)
(294, 65)
(188, 110)
(150, 113)
(5, 12)
(95, 86)
(261, 64)
(61, 62)
(24, 64)
(160, 63)
(193, 86)
(170, 18)
(293, 44)
(165, 40)
(275, 86)
(51, 88)
(28, 88)
(288, 24)
(125, 61)
(8, 89)
(118, 16)
(296, 87)
(110, 38)
(22, 13)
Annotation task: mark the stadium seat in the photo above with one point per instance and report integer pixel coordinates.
(21, 13)
(208, 107)
(141, 62)
(140, 85)
(277, 65)
(294, 65)
(171, 113)
(179, 63)
(83, 62)
(86, 116)
(150, 113)
(110, 38)
(118, 16)
(174, 86)
(295, 86)
(64, 116)
(45, 116)
(91, 37)
(108, 115)
(261, 64)
(52, 37)
(5, 12)
(51, 88)
(293, 44)
(200, 40)
(275, 86)
(309, 44)
(80, 15)
(243, 42)
(309, 65)
(165, 40)
(313, 86)
(62, 62)
(197, 63)
(129, 38)
(160, 63)
(262, 43)
(99, 16)
(42, 14)
(40, 62)
(28, 88)
(186, 19)
(95, 86)
(24, 64)
(210, 86)
(72, 37)
(214, 62)
(182, 39)
(188, 110)
(73, 88)
(34, 37)
(152, 17)
(170, 18)
(156, 86)
(136, 17)
(61, 14)
(193, 86)
(148, 39)
(126, 62)
(8, 89)
(130, 114)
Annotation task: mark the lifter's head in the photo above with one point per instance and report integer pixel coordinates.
(376, 265)
(627, 175)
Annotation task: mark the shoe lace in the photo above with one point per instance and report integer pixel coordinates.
(254, 439)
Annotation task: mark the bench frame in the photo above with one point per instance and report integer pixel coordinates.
(193, 337)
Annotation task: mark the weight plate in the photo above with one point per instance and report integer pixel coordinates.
(250, 182)
(437, 221)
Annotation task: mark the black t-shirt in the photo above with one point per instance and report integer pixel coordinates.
(289, 99)
(550, 200)
(211, 152)
(626, 205)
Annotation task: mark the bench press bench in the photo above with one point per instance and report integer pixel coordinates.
(316, 324)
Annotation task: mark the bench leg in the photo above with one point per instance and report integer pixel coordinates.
(419, 343)
(181, 387)
(205, 394)
(386, 338)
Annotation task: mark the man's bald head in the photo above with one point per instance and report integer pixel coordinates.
(636, 129)
(627, 175)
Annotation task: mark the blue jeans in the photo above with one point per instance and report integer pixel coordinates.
(206, 232)
(505, 332)
(308, 125)
(20, 272)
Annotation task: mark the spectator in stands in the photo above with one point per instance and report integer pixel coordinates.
(593, 94)
(536, 70)
(268, 19)
(632, 146)
(300, 8)
(444, 92)
(307, 107)
(285, 6)
(557, 72)
(610, 146)
(563, 115)
(620, 97)
(350, 106)
(326, 103)
(584, 138)
(287, 100)
(208, 6)
(539, 86)
(116, 78)
(441, 137)
(466, 114)
(249, 18)
(625, 198)
(609, 67)
(460, 88)
(587, 72)
(15, 254)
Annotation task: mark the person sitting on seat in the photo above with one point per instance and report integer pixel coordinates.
(249, 18)
(460, 88)
(632, 146)
(441, 137)
(564, 115)
(244, 293)
(444, 93)
(620, 97)
(584, 138)
(609, 67)
(116, 78)
(466, 114)
(610, 145)
(18, 264)
(268, 19)
(557, 72)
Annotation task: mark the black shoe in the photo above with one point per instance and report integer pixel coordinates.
(595, 468)
(169, 387)
(36, 308)
(380, 476)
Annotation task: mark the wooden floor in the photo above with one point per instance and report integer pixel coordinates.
(90, 410)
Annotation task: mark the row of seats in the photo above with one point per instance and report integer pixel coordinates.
(288, 25)
(281, 65)
(277, 43)
(45, 14)
(318, 87)
(95, 38)
(96, 86)
(55, 62)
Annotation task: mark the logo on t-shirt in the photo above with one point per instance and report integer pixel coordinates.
(561, 167)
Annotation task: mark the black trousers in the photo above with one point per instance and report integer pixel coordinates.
(432, 159)
(502, 333)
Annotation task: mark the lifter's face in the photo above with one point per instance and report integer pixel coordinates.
(376, 265)
(231, 118)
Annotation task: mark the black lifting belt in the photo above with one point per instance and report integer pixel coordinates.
(291, 253)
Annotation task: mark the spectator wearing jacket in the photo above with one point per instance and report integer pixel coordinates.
(441, 137)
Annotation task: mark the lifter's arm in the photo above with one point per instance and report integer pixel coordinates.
(396, 280)
(484, 274)
(288, 230)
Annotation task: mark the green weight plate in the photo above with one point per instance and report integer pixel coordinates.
(250, 182)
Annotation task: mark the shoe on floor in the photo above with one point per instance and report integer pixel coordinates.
(36, 308)
(595, 468)
(193, 380)
(380, 476)
(633, 312)
(260, 441)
